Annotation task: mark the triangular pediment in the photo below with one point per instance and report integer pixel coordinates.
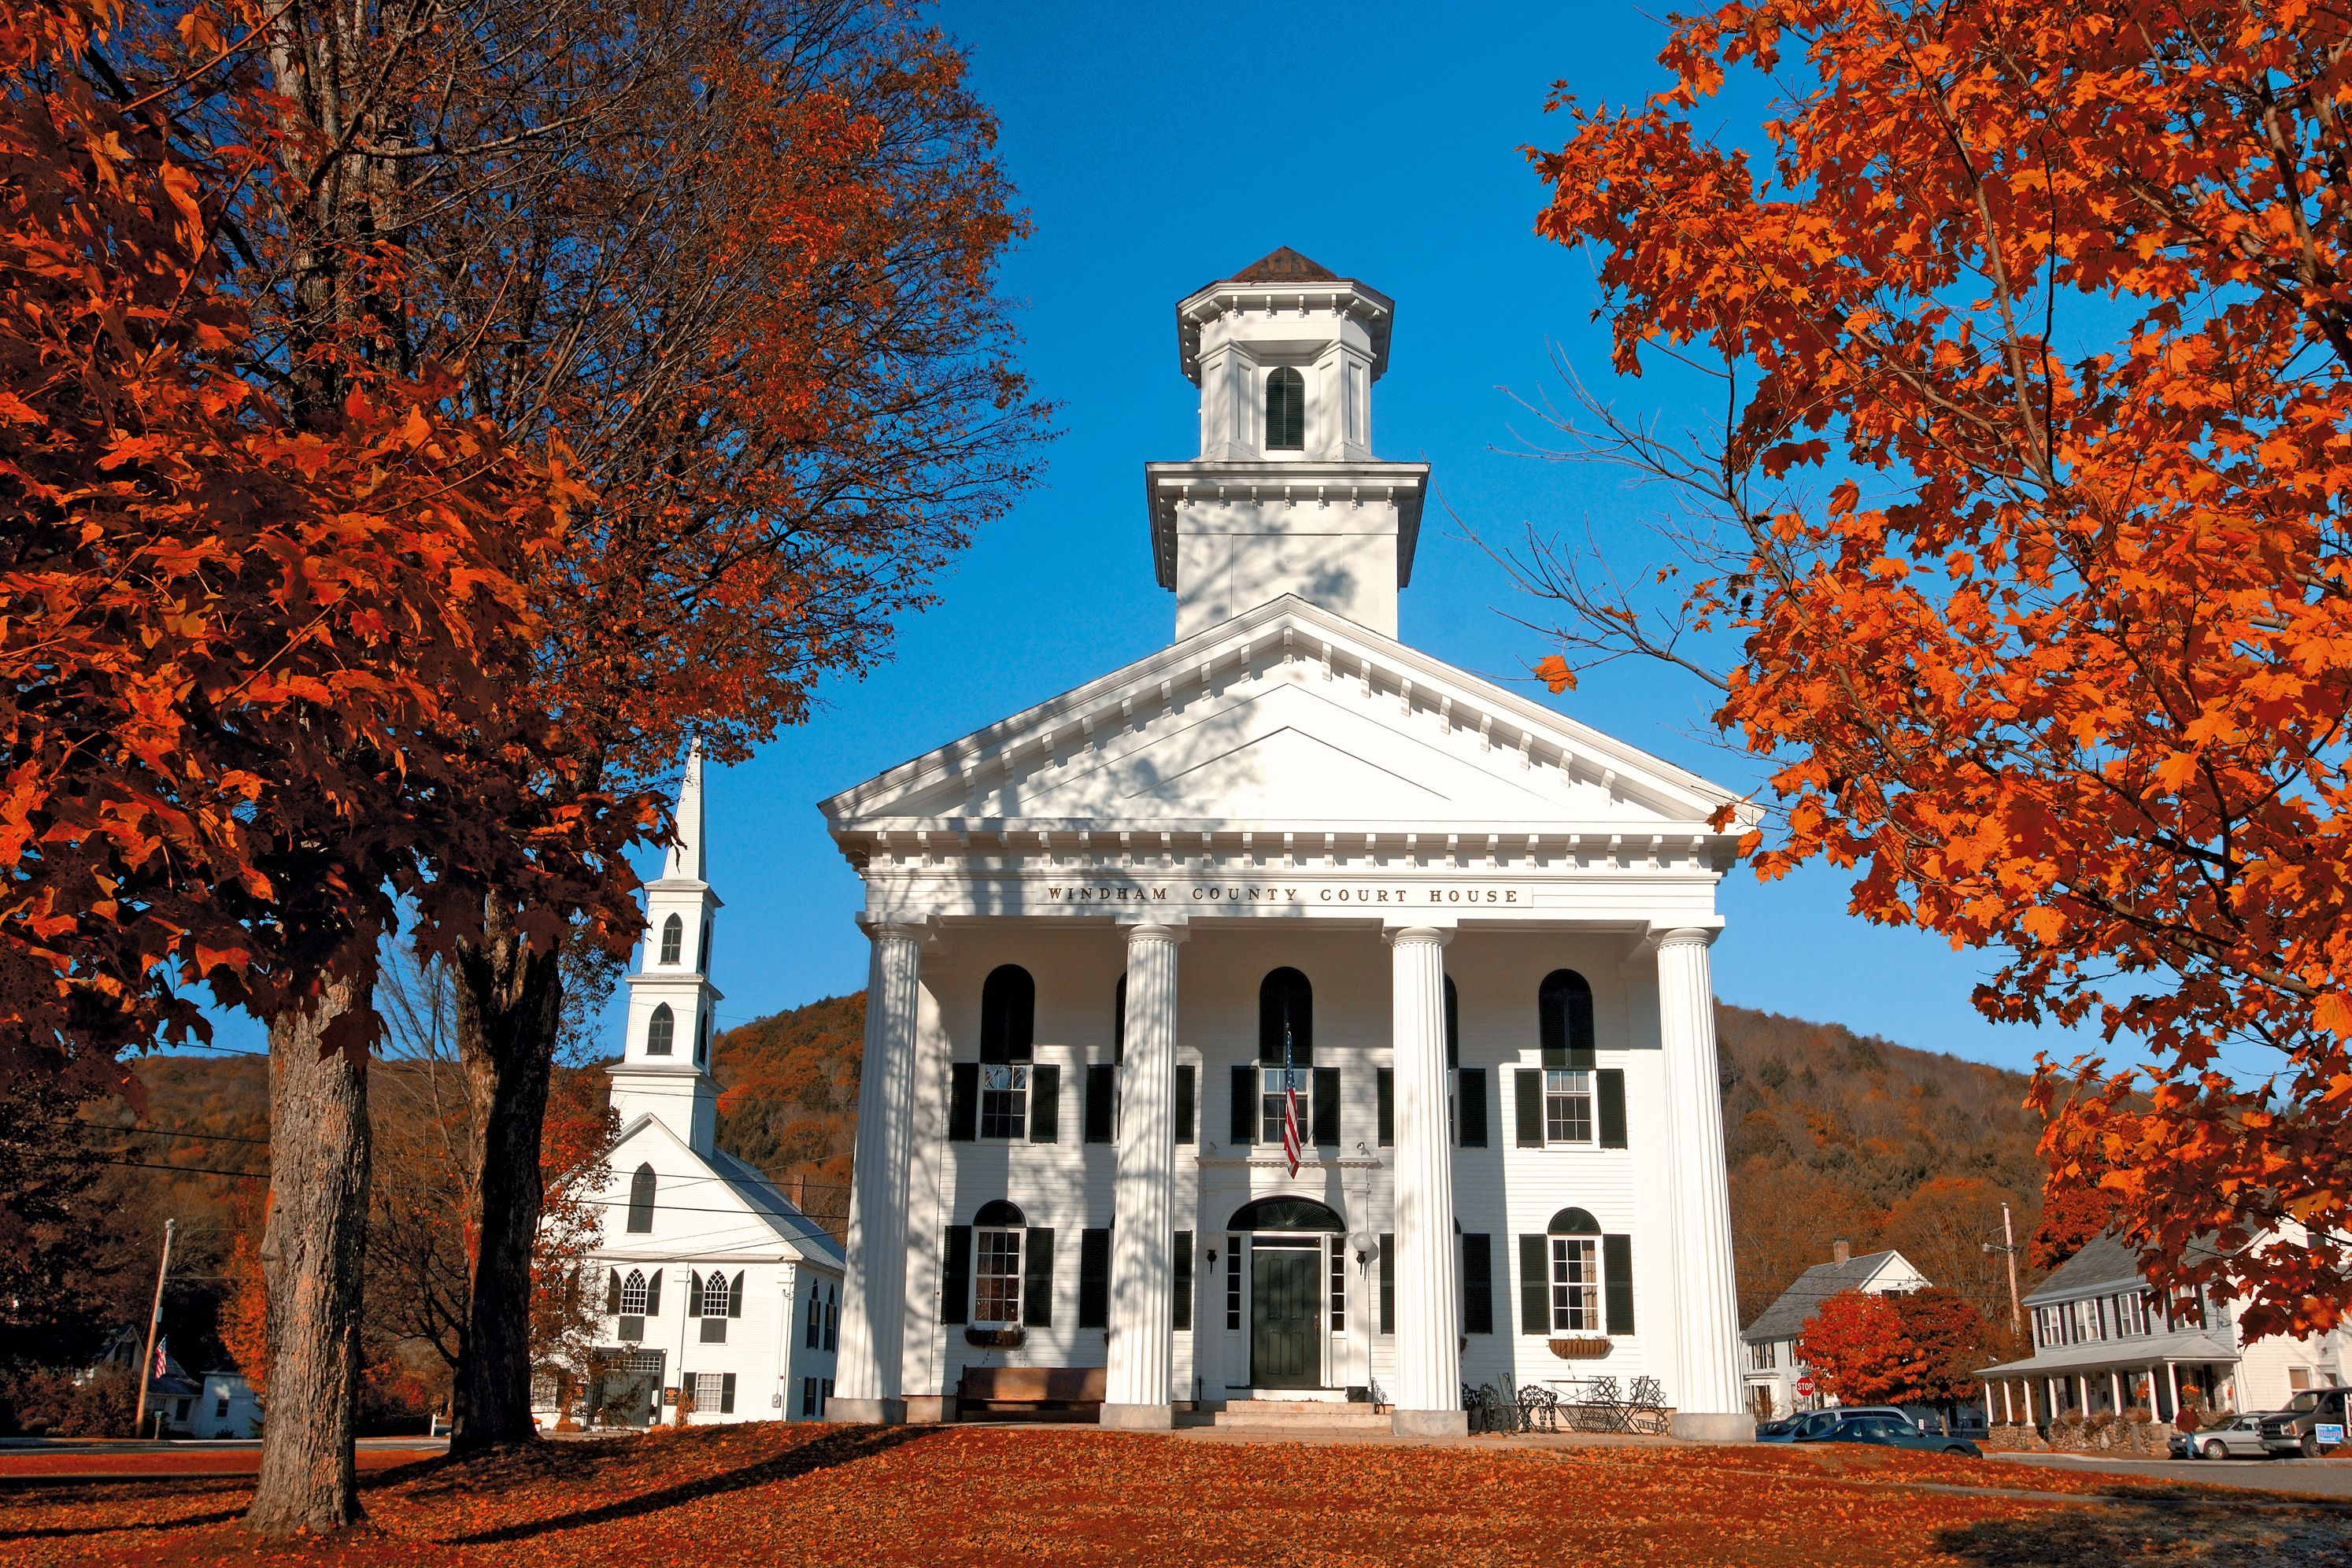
(1287, 715)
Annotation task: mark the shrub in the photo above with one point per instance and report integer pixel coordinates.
(52, 1403)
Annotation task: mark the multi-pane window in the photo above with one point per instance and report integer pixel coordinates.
(1277, 1083)
(661, 1029)
(673, 937)
(808, 1397)
(1286, 410)
(815, 1339)
(1575, 1284)
(1234, 1282)
(707, 1387)
(1339, 1285)
(996, 1295)
(1004, 1100)
(832, 1320)
(633, 1295)
(1567, 1106)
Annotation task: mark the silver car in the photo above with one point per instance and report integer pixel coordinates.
(2238, 1437)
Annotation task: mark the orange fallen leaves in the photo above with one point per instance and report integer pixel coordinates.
(993, 1495)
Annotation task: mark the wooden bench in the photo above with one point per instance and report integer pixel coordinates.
(1030, 1392)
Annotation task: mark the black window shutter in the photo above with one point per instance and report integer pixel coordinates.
(1183, 1304)
(1613, 1107)
(1470, 1093)
(1102, 1092)
(693, 1295)
(612, 1292)
(653, 1295)
(1387, 1098)
(1326, 1106)
(735, 1296)
(1185, 1095)
(955, 1277)
(1387, 1282)
(1529, 1081)
(1477, 1284)
(726, 1394)
(1045, 1104)
(1038, 1280)
(1244, 1128)
(1535, 1286)
(1093, 1278)
(1617, 1283)
(963, 1101)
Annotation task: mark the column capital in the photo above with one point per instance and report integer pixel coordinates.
(1688, 936)
(1151, 930)
(879, 930)
(1401, 935)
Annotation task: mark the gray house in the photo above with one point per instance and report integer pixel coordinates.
(1777, 1383)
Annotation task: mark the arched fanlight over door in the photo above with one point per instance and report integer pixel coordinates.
(1286, 1214)
(1286, 410)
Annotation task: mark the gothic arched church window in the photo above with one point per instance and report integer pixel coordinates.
(673, 939)
(641, 1200)
(661, 1029)
(1286, 410)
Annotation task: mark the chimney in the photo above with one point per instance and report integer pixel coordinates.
(1843, 1251)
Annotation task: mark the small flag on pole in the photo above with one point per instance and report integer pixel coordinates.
(161, 1360)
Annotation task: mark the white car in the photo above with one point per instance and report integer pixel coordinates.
(2238, 1437)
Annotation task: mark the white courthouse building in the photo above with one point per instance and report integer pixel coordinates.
(1113, 933)
(721, 1301)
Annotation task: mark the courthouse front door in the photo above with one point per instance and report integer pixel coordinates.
(1284, 1322)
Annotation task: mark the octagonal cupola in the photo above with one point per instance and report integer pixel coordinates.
(1286, 496)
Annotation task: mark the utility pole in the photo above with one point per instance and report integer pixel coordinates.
(154, 1320)
(2007, 1246)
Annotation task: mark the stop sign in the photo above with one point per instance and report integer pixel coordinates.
(1805, 1387)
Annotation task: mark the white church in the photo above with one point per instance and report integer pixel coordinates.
(721, 1301)
(1285, 1018)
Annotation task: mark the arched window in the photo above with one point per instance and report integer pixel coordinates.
(702, 956)
(1564, 1019)
(641, 1200)
(1286, 410)
(998, 1229)
(633, 1295)
(1008, 1015)
(1573, 1239)
(660, 1030)
(1573, 1222)
(702, 1040)
(673, 937)
(1286, 1020)
(1286, 1214)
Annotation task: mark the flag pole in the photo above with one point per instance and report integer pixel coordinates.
(154, 1320)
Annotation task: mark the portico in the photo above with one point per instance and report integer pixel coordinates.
(1288, 1011)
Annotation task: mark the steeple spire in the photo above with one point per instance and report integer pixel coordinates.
(685, 862)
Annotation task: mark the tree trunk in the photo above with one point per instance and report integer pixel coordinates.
(510, 1011)
(313, 1253)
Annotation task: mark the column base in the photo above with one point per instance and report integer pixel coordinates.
(1430, 1422)
(930, 1409)
(1699, 1427)
(1139, 1417)
(867, 1412)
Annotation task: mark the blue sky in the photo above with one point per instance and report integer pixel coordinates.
(1157, 147)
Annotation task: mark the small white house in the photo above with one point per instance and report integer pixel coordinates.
(224, 1407)
(721, 1301)
(1775, 1378)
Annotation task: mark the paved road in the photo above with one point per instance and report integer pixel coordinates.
(2315, 1477)
(106, 1459)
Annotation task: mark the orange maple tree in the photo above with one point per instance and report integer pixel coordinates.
(2023, 554)
(1856, 1348)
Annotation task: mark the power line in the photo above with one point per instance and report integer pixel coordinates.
(164, 1131)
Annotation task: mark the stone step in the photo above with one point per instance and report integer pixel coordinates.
(1295, 1407)
(1325, 1417)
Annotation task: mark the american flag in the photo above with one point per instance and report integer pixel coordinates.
(1290, 1119)
(163, 1360)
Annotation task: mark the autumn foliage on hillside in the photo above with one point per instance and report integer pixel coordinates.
(788, 1099)
(2020, 552)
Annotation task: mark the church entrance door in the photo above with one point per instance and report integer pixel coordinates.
(1284, 1321)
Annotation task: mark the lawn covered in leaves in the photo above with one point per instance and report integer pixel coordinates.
(992, 1495)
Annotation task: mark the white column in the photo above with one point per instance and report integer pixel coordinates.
(866, 1383)
(1142, 1352)
(1707, 1404)
(2172, 1381)
(2026, 1387)
(1989, 1422)
(1428, 1320)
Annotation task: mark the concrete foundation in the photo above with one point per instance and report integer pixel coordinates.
(1700, 1427)
(1139, 1417)
(867, 1412)
(1430, 1422)
(928, 1409)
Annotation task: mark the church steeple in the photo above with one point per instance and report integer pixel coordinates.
(1286, 497)
(666, 1058)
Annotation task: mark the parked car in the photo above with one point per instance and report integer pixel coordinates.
(1812, 1423)
(2238, 1437)
(1891, 1431)
(1961, 1420)
(2295, 1430)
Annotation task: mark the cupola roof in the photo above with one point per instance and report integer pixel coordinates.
(1285, 266)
